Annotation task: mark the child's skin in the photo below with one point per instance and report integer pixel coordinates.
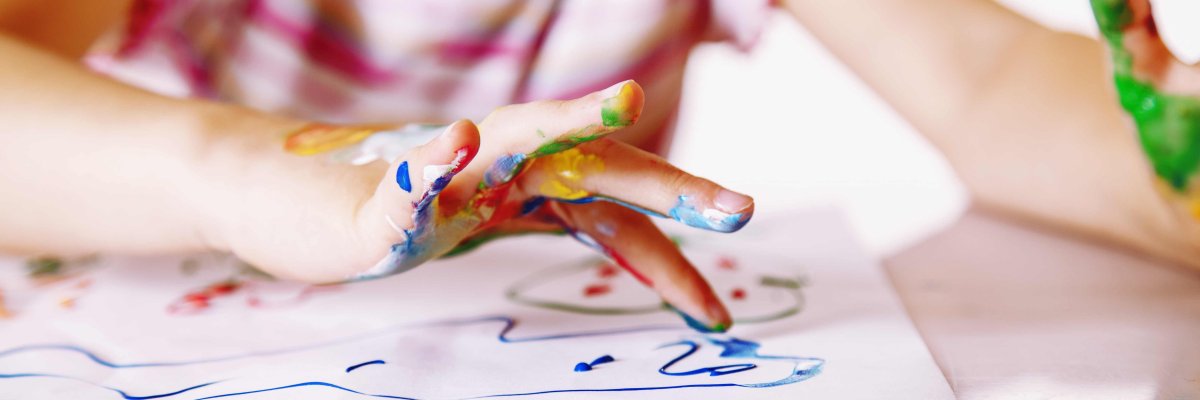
(1028, 117)
(109, 168)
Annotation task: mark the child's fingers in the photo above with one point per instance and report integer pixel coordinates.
(634, 243)
(615, 171)
(523, 131)
(406, 197)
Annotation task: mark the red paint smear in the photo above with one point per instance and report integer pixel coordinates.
(616, 257)
(199, 300)
(606, 271)
(725, 262)
(597, 289)
(738, 294)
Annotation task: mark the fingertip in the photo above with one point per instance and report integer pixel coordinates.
(622, 104)
(460, 135)
(715, 218)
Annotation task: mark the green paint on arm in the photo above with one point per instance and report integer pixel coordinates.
(1168, 125)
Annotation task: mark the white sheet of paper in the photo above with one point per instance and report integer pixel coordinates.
(816, 318)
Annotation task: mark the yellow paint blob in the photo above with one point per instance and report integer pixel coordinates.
(565, 172)
(320, 138)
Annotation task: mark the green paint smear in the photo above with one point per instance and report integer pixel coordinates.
(565, 142)
(1168, 125)
(44, 266)
(613, 117)
(562, 143)
(515, 293)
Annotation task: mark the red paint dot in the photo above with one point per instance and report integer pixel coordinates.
(607, 271)
(738, 294)
(597, 289)
(726, 263)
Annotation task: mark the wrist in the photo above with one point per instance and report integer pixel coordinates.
(237, 150)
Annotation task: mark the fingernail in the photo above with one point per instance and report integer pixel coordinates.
(614, 90)
(732, 202)
(617, 109)
(717, 312)
(451, 126)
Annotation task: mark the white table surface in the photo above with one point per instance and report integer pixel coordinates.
(1013, 312)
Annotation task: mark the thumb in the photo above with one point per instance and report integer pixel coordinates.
(404, 208)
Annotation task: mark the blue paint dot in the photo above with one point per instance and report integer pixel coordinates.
(582, 367)
(402, 177)
(603, 359)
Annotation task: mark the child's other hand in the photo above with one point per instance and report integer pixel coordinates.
(1160, 93)
(536, 167)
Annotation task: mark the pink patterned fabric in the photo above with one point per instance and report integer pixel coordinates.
(409, 60)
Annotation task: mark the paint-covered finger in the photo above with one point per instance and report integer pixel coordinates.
(521, 132)
(404, 209)
(608, 170)
(1131, 32)
(632, 241)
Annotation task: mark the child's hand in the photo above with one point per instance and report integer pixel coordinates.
(535, 167)
(1160, 93)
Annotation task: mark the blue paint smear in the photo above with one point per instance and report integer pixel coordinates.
(693, 322)
(402, 177)
(532, 205)
(803, 369)
(503, 169)
(412, 252)
(711, 371)
(357, 366)
(584, 367)
(602, 360)
(683, 211)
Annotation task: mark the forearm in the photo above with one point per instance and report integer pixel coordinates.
(925, 57)
(1025, 115)
(93, 165)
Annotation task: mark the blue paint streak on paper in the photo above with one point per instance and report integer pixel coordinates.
(602, 360)
(803, 368)
(584, 367)
(360, 365)
(402, 177)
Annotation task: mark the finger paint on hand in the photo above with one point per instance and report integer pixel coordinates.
(696, 324)
(565, 172)
(402, 178)
(318, 138)
(619, 260)
(431, 232)
(687, 212)
(359, 144)
(616, 110)
(1168, 125)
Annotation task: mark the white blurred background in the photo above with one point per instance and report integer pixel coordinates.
(790, 125)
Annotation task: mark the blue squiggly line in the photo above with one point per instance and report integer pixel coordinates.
(711, 371)
(731, 348)
(360, 365)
